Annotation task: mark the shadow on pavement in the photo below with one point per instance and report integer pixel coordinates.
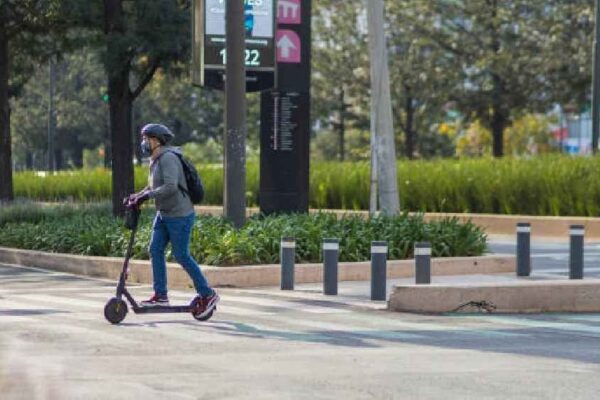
(26, 312)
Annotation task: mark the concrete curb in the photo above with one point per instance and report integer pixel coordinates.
(493, 224)
(523, 296)
(251, 275)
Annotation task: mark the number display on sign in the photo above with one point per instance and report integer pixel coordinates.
(252, 57)
(209, 52)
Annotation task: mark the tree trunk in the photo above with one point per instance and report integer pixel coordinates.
(120, 105)
(121, 141)
(499, 118)
(52, 162)
(28, 160)
(137, 138)
(342, 126)
(77, 155)
(6, 184)
(499, 122)
(59, 160)
(409, 133)
(107, 145)
(137, 143)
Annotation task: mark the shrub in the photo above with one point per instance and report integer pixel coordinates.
(91, 230)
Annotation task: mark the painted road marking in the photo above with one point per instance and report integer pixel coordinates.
(296, 306)
(542, 324)
(66, 301)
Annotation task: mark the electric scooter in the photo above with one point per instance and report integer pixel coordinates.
(116, 309)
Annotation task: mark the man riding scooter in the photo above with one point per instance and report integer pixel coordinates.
(174, 218)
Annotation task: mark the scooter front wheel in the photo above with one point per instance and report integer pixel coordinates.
(115, 310)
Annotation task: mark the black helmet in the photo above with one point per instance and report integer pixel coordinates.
(159, 131)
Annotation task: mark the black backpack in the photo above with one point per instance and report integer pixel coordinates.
(195, 189)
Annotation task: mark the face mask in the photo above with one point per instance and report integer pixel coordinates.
(146, 149)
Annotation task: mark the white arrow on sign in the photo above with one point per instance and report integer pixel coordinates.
(286, 45)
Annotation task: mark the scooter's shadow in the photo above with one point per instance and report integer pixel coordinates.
(156, 324)
(245, 330)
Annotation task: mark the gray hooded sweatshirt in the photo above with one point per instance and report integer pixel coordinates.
(164, 182)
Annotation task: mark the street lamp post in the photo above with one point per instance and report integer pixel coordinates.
(235, 115)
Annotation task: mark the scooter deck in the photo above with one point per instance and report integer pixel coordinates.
(161, 309)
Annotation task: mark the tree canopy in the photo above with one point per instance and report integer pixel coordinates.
(454, 66)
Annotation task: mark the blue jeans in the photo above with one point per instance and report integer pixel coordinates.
(178, 231)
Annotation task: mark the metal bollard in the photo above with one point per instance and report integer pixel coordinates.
(423, 263)
(287, 256)
(523, 249)
(330, 266)
(576, 252)
(379, 270)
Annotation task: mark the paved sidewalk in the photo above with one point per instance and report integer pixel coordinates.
(269, 344)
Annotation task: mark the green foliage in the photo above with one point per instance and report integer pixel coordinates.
(549, 185)
(81, 113)
(30, 212)
(325, 146)
(445, 56)
(95, 184)
(424, 79)
(340, 63)
(194, 115)
(85, 185)
(211, 152)
(91, 230)
(81, 229)
(528, 135)
(491, 60)
(508, 54)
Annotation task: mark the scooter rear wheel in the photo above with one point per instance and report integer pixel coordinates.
(204, 318)
(197, 311)
(115, 310)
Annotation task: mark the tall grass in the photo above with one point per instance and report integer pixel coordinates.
(550, 185)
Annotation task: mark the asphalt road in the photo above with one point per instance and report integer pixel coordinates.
(268, 344)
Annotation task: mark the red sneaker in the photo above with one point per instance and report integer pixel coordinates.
(156, 300)
(206, 304)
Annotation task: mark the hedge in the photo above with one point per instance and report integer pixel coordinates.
(550, 185)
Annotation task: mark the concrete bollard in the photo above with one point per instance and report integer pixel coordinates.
(523, 249)
(379, 270)
(423, 263)
(576, 252)
(331, 249)
(287, 257)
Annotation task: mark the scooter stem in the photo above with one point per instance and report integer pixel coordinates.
(128, 254)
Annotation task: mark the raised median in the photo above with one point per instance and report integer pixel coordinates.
(508, 296)
(250, 275)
